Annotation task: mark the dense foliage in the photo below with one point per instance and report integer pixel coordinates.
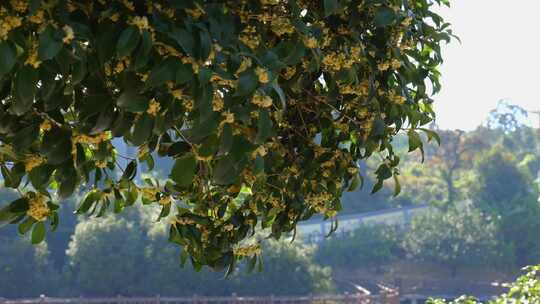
(526, 289)
(367, 247)
(455, 238)
(266, 106)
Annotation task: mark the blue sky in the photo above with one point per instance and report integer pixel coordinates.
(498, 58)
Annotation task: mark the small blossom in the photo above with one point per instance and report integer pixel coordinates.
(262, 74)
(153, 107)
(38, 208)
(262, 101)
(69, 34)
(33, 162)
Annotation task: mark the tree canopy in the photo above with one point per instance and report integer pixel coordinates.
(265, 106)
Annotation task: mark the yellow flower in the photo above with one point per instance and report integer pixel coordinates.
(244, 65)
(153, 107)
(45, 126)
(406, 22)
(396, 64)
(281, 26)
(149, 193)
(120, 66)
(128, 5)
(19, 5)
(38, 208)
(229, 117)
(38, 17)
(33, 162)
(7, 24)
(195, 13)
(252, 41)
(289, 72)
(217, 103)
(32, 59)
(262, 101)
(69, 34)
(250, 250)
(114, 17)
(165, 200)
(141, 23)
(177, 94)
(311, 42)
(262, 74)
(261, 150)
(93, 140)
(383, 66)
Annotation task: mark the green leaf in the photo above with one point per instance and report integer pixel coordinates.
(384, 16)
(184, 73)
(68, 181)
(432, 135)
(355, 183)
(38, 233)
(26, 225)
(131, 101)
(205, 44)
(247, 83)
(8, 58)
(19, 205)
(264, 127)
(13, 177)
(142, 129)
(88, 201)
(56, 146)
(40, 176)
(50, 43)
(178, 148)
(25, 90)
(162, 72)
(225, 171)
(142, 58)
(131, 171)
(79, 72)
(415, 141)
(25, 137)
(397, 185)
(209, 146)
(330, 7)
(184, 170)
(226, 141)
(377, 186)
(184, 39)
(128, 41)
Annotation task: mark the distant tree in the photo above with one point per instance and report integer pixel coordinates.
(507, 117)
(368, 247)
(501, 186)
(455, 239)
(113, 256)
(446, 165)
(106, 258)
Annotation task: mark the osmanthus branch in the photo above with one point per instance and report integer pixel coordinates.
(322, 100)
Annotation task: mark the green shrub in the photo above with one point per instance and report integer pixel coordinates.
(367, 246)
